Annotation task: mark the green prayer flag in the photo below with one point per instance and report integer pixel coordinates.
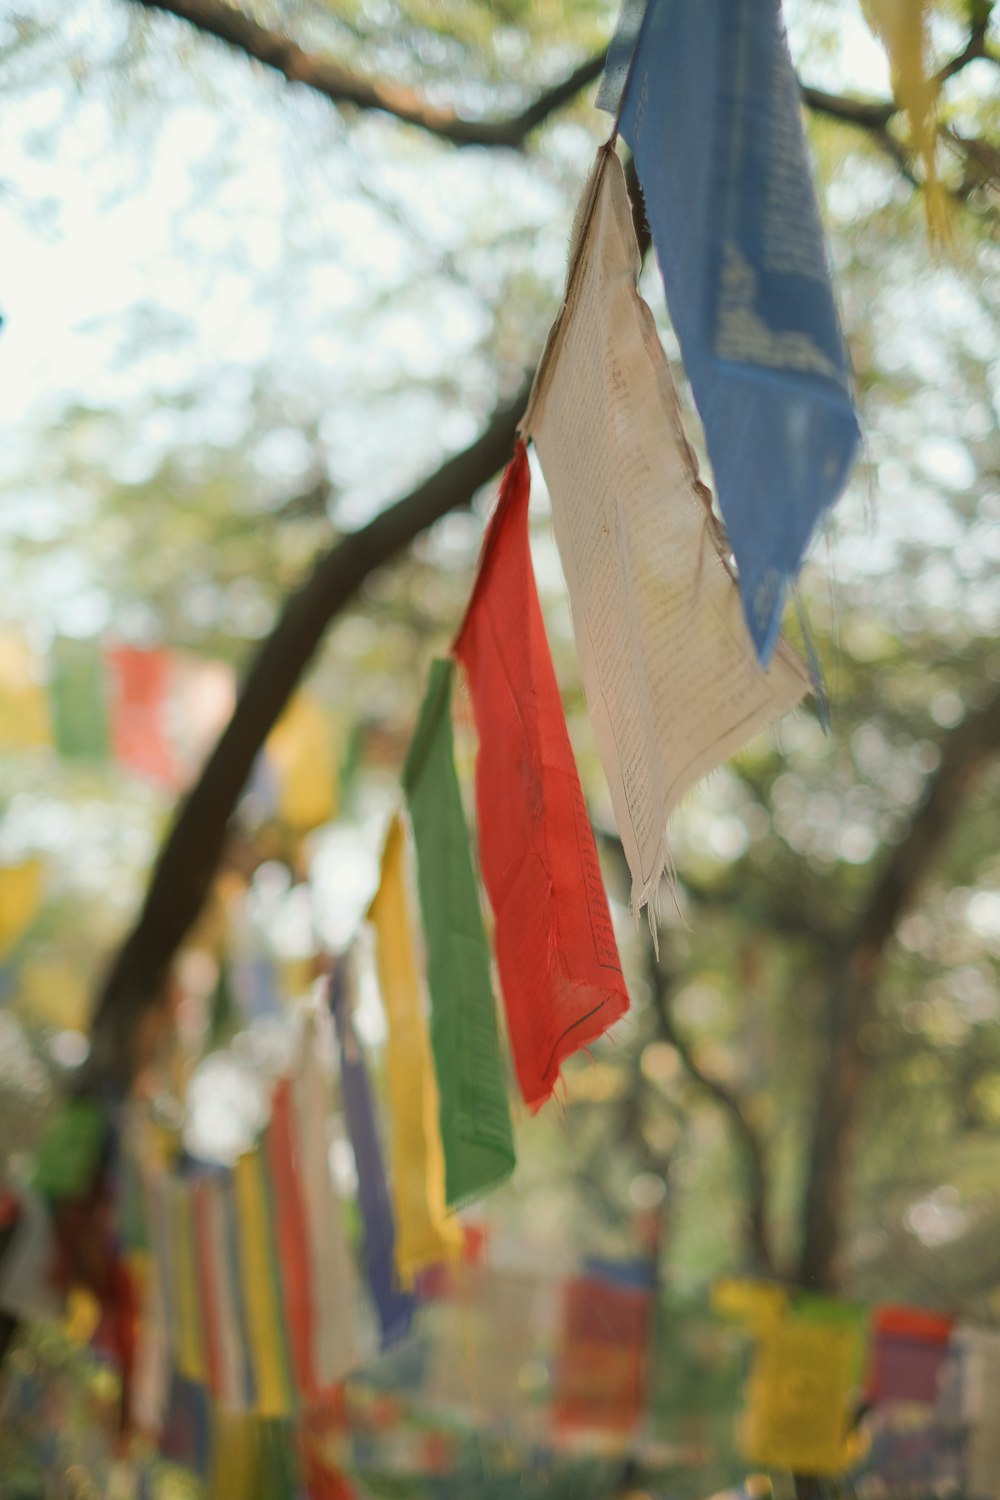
(475, 1115)
(78, 699)
(70, 1151)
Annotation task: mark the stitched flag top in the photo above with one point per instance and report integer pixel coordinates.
(424, 1233)
(672, 680)
(556, 951)
(711, 111)
(475, 1116)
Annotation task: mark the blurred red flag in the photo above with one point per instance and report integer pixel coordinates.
(140, 685)
(556, 951)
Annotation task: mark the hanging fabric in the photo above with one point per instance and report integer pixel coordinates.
(556, 951)
(335, 1346)
(712, 113)
(671, 677)
(393, 1305)
(424, 1233)
(475, 1117)
(261, 1285)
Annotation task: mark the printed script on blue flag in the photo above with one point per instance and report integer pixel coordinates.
(709, 104)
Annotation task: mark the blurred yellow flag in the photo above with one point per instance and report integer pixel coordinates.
(300, 750)
(755, 1304)
(24, 707)
(799, 1411)
(20, 898)
(55, 992)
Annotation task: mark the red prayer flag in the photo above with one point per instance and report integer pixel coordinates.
(140, 685)
(293, 1245)
(556, 951)
(910, 1347)
(602, 1370)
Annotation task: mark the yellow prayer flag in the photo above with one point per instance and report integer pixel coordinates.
(83, 1313)
(20, 898)
(755, 1304)
(300, 749)
(799, 1414)
(190, 1347)
(261, 1294)
(24, 708)
(424, 1233)
(54, 991)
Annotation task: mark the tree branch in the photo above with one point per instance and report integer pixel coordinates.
(341, 85)
(732, 1106)
(191, 852)
(851, 994)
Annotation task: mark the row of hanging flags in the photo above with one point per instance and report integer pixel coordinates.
(904, 1394)
(155, 713)
(681, 656)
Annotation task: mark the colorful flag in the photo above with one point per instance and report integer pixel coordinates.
(78, 696)
(425, 1234)
(201, 701)
(671, 677)
(475, 1116)
(140, 685)
(602, 1370)
(20, 898)
(711, 111)
(333, 1278)
(261, 1286)
(393, 1305)
(300, 751)
(910, 1348)
(24, 710)
(556, 951)
(805, 1371)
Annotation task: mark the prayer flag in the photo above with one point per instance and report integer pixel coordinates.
(20, 898)
(292, 1235)
(300, 750)
(910, 1348)
(140, 682)
(192, 1350)
(671, 677)
(78, 695)
(602, 1369)
(333, 1278)
(425, 1235)
(711, 111)
(805, 1371)
(201, 702)
(475, 1116)
(261, 1285)
(556, 951)
(24, 710)
(394, 1306)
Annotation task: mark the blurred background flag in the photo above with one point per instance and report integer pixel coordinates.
(24, 709)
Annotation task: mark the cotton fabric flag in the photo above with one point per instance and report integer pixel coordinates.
(910, 1348)
(140, 685)
(711, 111)
(602, 1370)
(805, 1370)
(559, 969)
(24, 710)
(424, 1233)
(78, 697)
(335, 1344)
(261, 1286)
(20, 898)
(671, 677)
(191, 1348)
(393, 1305)
(300, 751)
(475, 1117)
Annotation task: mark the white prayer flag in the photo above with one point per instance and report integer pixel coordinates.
(671, 677)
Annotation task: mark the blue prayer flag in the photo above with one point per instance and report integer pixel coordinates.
(394, 1306)
(711, 111)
